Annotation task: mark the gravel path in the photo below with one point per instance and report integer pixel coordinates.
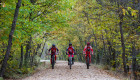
(78, 72)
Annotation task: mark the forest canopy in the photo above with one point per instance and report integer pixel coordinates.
(111, 26)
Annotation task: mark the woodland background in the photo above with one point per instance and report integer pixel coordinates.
(112, 27)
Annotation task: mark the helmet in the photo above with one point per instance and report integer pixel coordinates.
(88, 43)
(53, 45)
(70, 44)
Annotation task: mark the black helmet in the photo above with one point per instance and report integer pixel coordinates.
(70, 44)
(53, 45)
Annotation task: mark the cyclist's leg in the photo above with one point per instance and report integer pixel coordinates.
(55, 57)
(73, 59)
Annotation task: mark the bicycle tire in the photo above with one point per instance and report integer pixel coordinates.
(53, 61)
(70, 62)
(87, 62)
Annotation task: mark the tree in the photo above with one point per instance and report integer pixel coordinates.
(10, 39)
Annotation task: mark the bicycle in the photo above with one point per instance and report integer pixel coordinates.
(70, 60)
(53, 60)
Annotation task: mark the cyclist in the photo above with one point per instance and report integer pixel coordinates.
(53, 50)
(70, 50)
(87, 50)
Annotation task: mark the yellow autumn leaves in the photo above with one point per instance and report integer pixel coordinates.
(133, 12)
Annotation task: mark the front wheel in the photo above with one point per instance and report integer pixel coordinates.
(87, 62)
(53, 62)
(70, 62)
(70, 66)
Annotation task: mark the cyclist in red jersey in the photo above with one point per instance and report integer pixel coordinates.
(70, 50)
(53, 50)
(88, 50)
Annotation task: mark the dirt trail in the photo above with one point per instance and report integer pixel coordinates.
(78, 72)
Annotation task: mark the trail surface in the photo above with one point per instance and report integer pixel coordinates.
(78, 72)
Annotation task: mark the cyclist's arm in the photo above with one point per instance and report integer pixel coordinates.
(84, 50)
(49, 51)
(66, 51)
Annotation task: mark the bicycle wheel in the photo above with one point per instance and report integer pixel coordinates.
(87, 62)
(70, 66)
(70, 62)
(53, 61)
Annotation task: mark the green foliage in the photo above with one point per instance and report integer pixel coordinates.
(61, 21)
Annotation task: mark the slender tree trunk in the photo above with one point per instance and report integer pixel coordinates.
(30, 43)
(42, 49)
(4, 64)
(26, 54)
(110, 51)
(122, 42)
(109, 57)
(133, 59)
(104, 50)
(38, 46)
(32, 60)
(114, 57)
(21, 61)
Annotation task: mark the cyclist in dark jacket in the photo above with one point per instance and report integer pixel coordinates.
(53, 50)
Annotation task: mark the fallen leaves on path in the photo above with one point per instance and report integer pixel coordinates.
(78, 72)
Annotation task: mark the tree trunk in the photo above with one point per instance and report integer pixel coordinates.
(122, 42)
(4, 64)
(133, 59)
(21, 61)
(42, 49)
(114, 57)
(27, 54)
(104, 49)
(110, 51)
